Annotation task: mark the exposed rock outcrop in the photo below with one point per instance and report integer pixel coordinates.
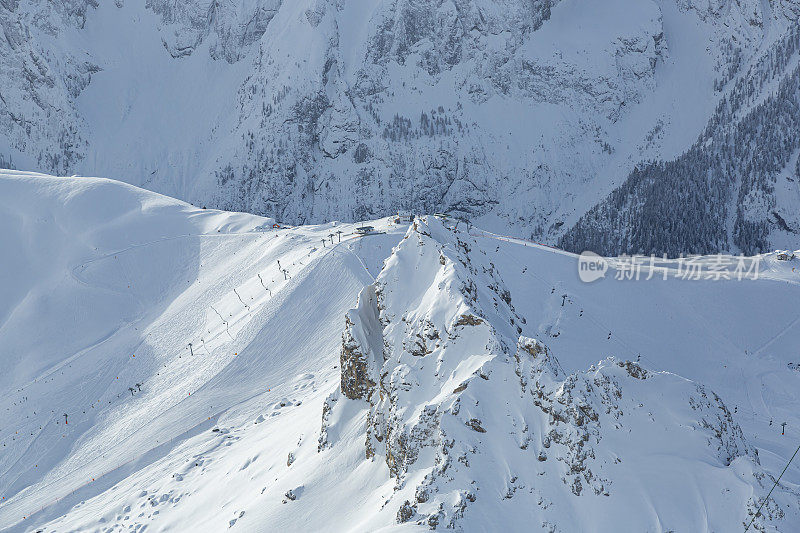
(361, 347)
(482, 414)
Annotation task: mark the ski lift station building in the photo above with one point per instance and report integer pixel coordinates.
(364, 230)
(404, 216)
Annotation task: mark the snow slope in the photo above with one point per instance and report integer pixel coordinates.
(418, 377)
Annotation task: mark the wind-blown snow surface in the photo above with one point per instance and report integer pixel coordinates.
(414, 378)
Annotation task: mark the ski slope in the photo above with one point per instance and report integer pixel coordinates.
(193, 372)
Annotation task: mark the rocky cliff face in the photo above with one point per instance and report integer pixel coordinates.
(475, 422)
(232, 26)
(417, 112)
(523, 115)
(40, 82)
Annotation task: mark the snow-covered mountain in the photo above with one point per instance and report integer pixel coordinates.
(179, 368)
(667, 123)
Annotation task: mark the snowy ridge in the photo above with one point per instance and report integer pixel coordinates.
(129, 376)
(463, 420)
(218, 372)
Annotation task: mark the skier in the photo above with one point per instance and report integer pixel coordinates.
(65, 419)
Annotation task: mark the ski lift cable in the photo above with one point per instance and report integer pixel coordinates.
(773, 488)
(617, 338)
(596, 322)
(225, 322)
(623, 343)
